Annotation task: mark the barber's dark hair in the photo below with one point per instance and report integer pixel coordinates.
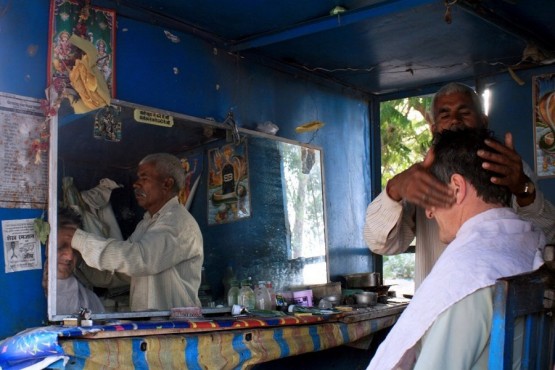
(456, 152)
(69, 217)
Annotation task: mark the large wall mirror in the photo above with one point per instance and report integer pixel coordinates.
(270, 226)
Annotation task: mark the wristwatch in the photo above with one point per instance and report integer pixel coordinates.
(528, 189)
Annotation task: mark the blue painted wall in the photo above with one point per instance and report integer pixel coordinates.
(210, 83)
(23, 35)
(511, 111)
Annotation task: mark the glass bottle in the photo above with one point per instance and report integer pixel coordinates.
(262, 296)
(270, 288)
(246, 295)
(233, 294)
(229, 276)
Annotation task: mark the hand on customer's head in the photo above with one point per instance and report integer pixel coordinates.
(506, 162)
(418, 186)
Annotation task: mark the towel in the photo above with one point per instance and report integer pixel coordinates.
(98, 200)
(494, 244)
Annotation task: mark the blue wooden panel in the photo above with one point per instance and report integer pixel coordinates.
(23, 48)
(22, 299)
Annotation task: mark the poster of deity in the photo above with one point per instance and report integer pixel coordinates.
(544, 124)
(228, 184)
(96, 25)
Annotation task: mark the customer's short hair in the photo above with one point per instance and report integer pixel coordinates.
(67, 216)
(456, 152)
(167, 165)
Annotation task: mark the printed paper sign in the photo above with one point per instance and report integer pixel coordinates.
(21, 246)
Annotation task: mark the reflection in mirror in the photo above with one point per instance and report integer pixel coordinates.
(302, 176)
(280, 239)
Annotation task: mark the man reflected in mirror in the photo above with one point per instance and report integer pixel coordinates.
(72, 294)
(164, 255)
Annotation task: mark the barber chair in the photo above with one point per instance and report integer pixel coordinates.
(529, 296)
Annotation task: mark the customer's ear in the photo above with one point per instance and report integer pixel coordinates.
(459, 186)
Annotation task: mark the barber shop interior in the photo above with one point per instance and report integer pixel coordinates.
(318, 184)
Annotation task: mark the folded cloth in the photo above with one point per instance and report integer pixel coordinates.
(98, 200)
(494, 244)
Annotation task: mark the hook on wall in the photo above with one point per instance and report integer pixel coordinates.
(232, 127)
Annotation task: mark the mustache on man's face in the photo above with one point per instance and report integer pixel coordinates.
(140, 193)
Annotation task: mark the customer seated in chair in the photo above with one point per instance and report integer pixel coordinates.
(72, 295)
(447, 324)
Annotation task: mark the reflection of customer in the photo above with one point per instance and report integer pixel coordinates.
(396, 216)
(448, 321)
(72, 295)
(164, 255)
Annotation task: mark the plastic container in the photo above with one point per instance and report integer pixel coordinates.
(270, 288)
(263, 298)
(228, 277)
(246, 295)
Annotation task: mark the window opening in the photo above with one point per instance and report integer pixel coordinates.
(405, 139)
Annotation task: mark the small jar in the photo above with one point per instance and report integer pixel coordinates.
(233, 293)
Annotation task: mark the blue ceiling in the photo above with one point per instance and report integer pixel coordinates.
(373, 46)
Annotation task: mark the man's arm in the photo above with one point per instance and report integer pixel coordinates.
(162, 246)
(540, 211)
(390, 218)
(389, 226)
(91, 277)
(514, 174)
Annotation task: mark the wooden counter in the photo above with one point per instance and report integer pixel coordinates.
(211, 343)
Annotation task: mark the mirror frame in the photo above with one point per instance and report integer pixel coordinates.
(53, 209)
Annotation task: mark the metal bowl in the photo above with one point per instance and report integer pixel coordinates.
(334, 299)
(367, 298)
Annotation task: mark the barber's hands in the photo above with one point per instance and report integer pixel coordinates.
(418, 186)
(65, 234)
(507, 163)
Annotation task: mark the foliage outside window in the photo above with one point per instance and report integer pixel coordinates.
(405, 139)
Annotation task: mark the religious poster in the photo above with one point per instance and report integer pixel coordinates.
(96, 25)
(544, 124)
(228, 184)
(21, 246)
(192, 167)
(23, 153)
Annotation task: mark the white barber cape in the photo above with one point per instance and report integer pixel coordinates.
(72, 296)
(491, 245)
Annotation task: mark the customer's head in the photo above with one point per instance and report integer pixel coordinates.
(68, 221)
(160, 177)
(454, 105)
(458, 165)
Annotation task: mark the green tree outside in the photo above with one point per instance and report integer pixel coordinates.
(405, 139)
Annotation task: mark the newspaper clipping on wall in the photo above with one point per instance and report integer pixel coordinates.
(24, 178)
